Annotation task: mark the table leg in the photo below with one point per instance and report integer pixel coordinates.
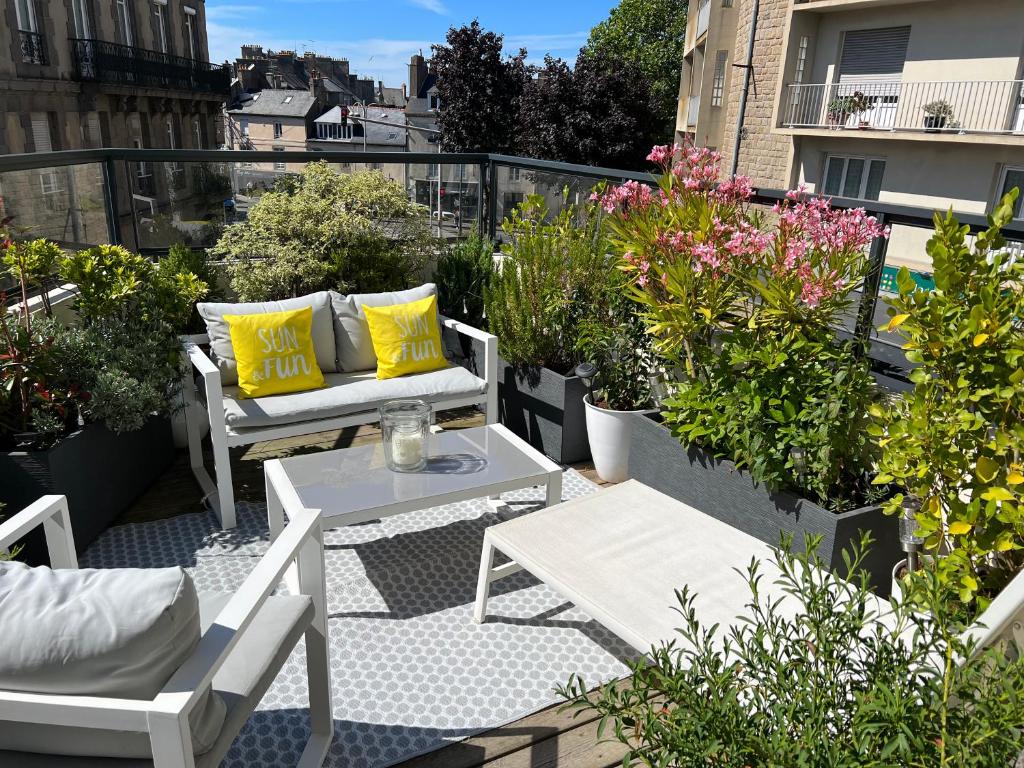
(483, 584)
(554, 491)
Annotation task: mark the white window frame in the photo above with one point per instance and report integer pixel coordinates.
(190, 30)
(718, 78)
(30, 24)
(800, 69)
(434, 100)
(279, 165)
(159, 9)
(868, 159)
(1002, 183)
(80, 17)
(124, 17)
(50, 187)
(515, 173)
(278, 130)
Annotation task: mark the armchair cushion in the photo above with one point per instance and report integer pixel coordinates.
(346, 394)
(220, 333)
(351, 331)
(117, 633)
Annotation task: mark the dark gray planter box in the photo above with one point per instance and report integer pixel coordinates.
(545, 409)
(100, 472)
(717, 488)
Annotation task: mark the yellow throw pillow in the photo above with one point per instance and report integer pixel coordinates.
(275, 352)
(406, 338)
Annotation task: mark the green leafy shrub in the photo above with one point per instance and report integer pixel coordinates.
(956, 442)
(462, 276)
(743, 308)
(816, 679)
(321, 229)
(182, 260)
(551, 269)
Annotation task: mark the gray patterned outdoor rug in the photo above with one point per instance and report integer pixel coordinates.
(411, 671)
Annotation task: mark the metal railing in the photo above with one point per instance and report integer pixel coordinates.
(105, 184)
(958, 107)
(33, 47)
(107, 62)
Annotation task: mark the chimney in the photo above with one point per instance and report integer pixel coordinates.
(417, 74)
(316, 83)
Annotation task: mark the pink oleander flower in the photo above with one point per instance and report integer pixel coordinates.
(663, 154)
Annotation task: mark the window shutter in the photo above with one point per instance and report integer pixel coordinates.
(41, 132)
(873, 54)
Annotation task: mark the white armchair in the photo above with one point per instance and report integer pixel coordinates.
(232, 655)
(349, 399)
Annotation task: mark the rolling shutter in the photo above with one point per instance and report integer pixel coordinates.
(41, 132)
(873, 54)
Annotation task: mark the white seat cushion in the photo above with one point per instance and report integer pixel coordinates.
(346, 394)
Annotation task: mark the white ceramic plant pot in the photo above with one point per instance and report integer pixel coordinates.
(179, 426)
(609, 435)
(896, 593)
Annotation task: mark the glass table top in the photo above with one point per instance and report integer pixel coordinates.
(357, 479)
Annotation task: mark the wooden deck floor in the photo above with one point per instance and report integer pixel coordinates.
(545, 739)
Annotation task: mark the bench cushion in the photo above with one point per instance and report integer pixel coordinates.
(119, 633)
(346, 394)
(241, 681)
(351, 331)
(222, 352)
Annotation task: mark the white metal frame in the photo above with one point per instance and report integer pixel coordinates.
(165, 718)
(281, 494)
(868, 160)
(220, 494)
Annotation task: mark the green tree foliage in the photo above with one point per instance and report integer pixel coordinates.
(956, 442)
(825, 676)
(598, 113)
(480, 89)
(322, 229)
(649, 34)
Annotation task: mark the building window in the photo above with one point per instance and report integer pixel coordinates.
(49, 184)
(278, 130)
(288, 99)
(727, 3)
(190, 31)
(81, 18)
(197, 132)
(278, 165)
(333, 131)
(435, 101)
(161, 23)
(124, 21)
(41, 139)
(849, 176)
(1013, 177)
(514, 174)
(243, 126)
(718, 81)
(26, 12)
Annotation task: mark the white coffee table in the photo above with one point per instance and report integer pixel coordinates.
(353, 485)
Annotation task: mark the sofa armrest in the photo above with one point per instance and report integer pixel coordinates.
(467, 330)
(52, 513)
(300, 543)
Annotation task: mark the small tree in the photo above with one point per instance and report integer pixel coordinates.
(648, 35)
(479, 88)
(956, 442)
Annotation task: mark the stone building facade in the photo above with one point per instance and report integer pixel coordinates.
(85, 74)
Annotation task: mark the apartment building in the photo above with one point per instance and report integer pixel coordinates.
(916, 102)
(79, 74)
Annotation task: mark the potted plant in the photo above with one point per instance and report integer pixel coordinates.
(551, 270)
(841, 108)
(83, 410)
(765, 427)
(936, 115)
(955, 442)
(615, 342)
(462, 275)
(815, 678)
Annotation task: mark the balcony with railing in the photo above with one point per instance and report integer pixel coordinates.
(950, 108)
(33, 47)
(106, 62)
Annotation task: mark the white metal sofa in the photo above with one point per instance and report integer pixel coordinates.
(350, 398)
(247, 638)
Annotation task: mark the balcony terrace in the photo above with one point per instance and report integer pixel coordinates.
(396, 643)
(102, 61)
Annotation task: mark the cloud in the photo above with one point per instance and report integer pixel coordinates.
(434, 6)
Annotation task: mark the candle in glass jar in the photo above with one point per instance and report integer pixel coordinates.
(407, 448)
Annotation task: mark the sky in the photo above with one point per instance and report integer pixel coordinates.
(379, 36)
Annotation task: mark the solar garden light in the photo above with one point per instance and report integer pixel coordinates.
(908, 529)
(588, 373)
(659, 387)
(799, 458)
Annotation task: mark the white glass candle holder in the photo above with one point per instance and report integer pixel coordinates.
(405, 426)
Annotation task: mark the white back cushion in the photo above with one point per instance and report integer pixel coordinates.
(351, 332)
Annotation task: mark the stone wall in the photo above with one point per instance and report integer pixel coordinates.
(764, 156)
